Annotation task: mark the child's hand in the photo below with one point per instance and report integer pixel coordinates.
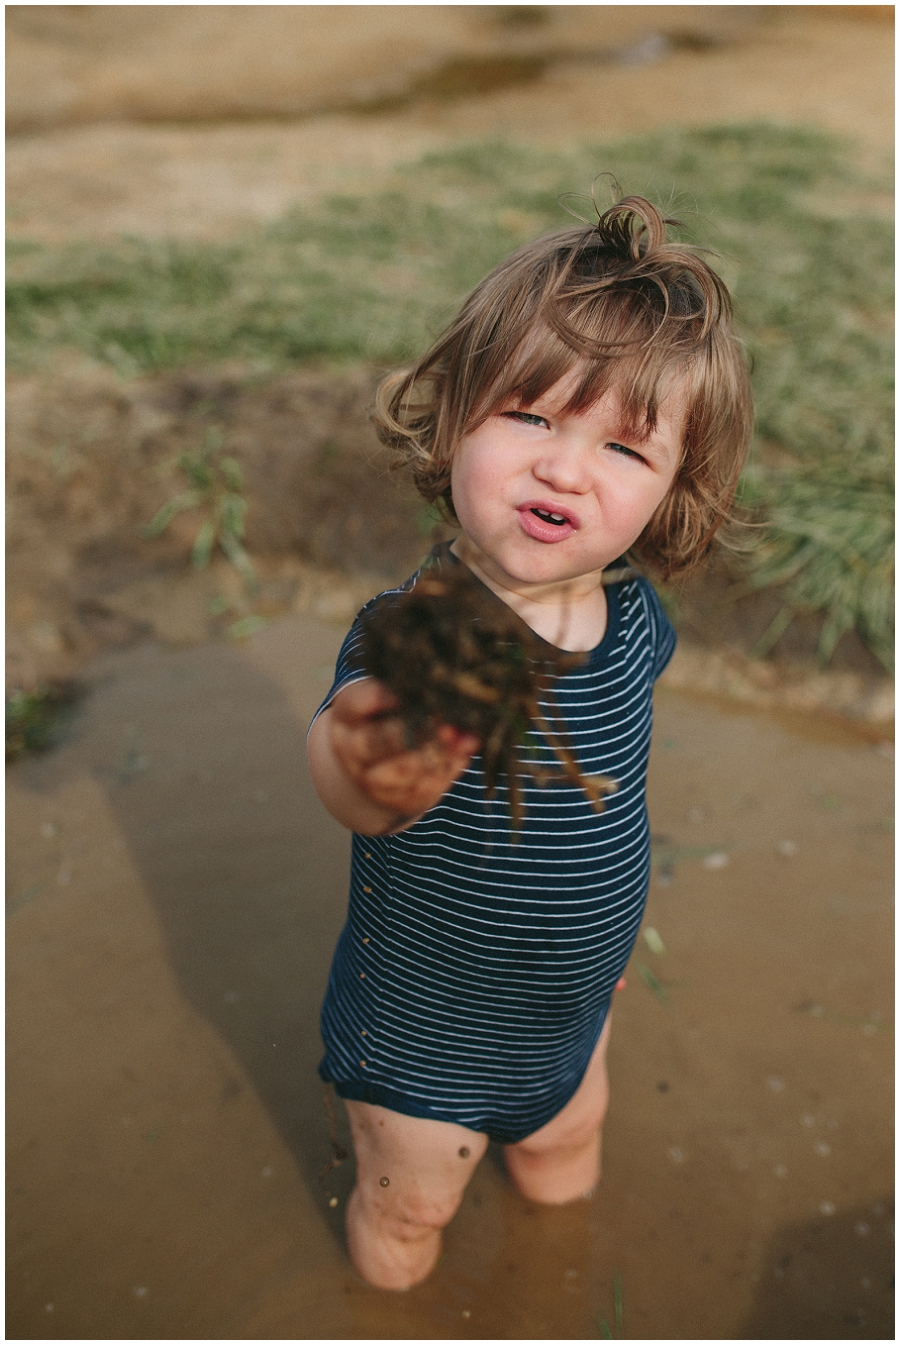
(372, 747)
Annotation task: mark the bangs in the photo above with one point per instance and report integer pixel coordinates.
(642, 371)
(572, 303)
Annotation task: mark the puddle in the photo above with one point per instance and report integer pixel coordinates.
(167, 1130)
(474, 76)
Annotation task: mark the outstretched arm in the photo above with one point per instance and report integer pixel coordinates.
(364, 770)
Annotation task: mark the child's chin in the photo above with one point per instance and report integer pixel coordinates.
(542, 569)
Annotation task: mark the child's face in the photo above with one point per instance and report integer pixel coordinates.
(548, 496)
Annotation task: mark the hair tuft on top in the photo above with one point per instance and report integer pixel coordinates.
(631, 311)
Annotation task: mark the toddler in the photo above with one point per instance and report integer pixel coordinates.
(589, 408)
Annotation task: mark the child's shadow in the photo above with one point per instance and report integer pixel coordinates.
(201, 754)
(205, 765)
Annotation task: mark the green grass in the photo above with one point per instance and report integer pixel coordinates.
(374, 276)
(618, 1313)
(215, 489)
(35, 719)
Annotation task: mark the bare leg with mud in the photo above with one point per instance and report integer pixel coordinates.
(410, 1177)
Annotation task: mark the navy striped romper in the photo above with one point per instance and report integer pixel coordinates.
(475, 971)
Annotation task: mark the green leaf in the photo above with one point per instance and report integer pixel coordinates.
(197, 470)
(163, 517)
(654, 942)
(232, 509)
(232, 474)
(203, 545)
(652, 983)
(248, 625)
(618, 1303)
(240, 560)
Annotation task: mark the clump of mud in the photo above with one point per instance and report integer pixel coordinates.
(452, 656)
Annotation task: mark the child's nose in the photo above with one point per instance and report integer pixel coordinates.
(564, 469)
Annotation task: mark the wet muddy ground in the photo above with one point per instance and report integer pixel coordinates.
(175, 889)
(175, 894)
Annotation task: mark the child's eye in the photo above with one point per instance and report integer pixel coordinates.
(526, 418)
(626, 452)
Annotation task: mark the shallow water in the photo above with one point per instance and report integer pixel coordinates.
(174, 896)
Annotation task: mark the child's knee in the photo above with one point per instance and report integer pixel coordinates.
(411, 1171)
(410, 1213)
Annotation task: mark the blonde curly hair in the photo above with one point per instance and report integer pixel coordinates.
(631, 311)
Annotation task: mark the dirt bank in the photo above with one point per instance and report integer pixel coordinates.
(91, 458)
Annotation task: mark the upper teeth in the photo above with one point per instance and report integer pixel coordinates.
(554, 518)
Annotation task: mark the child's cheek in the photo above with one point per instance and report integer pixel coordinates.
(471, 482)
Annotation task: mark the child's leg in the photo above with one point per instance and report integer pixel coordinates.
(410, 1178)
(561, 1161)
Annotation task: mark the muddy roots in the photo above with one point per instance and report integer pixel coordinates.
(453, 655)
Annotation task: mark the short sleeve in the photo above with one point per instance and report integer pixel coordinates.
(662, 632)
(350, 666)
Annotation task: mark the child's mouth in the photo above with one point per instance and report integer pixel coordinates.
(546, 525)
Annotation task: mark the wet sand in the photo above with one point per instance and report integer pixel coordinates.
(174, 897)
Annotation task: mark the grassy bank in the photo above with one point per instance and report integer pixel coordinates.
(372, 277)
